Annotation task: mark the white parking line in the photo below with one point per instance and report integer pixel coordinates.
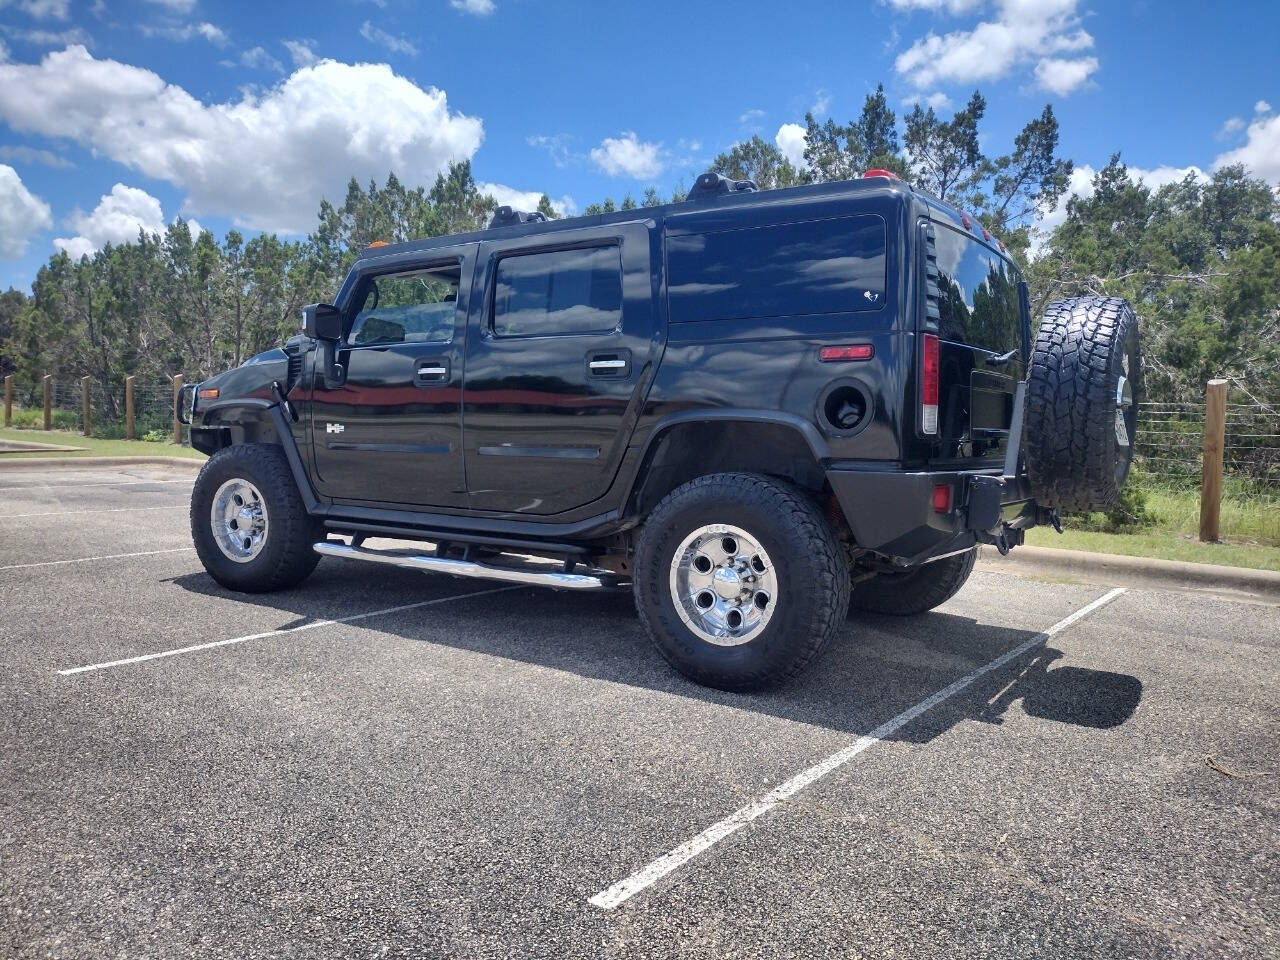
(109, 556)
(277, 633)
(76, 486)
(624, 890)
(76, 513)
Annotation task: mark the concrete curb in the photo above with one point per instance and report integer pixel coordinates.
(1119, 570)
(71, 463)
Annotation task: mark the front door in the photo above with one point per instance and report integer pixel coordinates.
(392, 432)
(558, 358)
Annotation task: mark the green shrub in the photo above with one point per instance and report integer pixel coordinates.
(32, 418)
(1129, 515)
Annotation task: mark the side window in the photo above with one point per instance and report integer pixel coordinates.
(414, 307)
(978, 300)
(559, 292)
(788, 269)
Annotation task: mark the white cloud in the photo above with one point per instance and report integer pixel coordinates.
(1023, 31)
(22, 215)
(1261, 151)
(177, 6)
(40, 9)
(558, 146)
(627, 155)
(821, 103)
(117, 218)
(750, 116)
(1063, 76)
(950, 6)
(301, 52)
(526, 199)
(480, 8)
(936, 100)
(47, 38)
(4, 52)
(258, 59)
(264, 161)
(184, 32)
(23, 154)
(1229, 126)
(791, 141)
(390, 41)
(1262, 107)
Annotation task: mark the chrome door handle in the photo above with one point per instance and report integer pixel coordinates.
(432, 371)
(608, 364)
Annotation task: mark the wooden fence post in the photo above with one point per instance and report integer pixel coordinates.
(1215, 429)
(177, 424)
(128, 409)
(8, 400)
(48, 402)
(86, 405)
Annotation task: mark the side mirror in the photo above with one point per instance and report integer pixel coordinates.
(322, 321)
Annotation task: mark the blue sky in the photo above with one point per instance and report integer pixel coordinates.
(119, 113)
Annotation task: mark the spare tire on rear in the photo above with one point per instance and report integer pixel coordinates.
(1082, 395)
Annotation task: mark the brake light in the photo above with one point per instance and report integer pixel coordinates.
(929, 385)
(854, 351)
(942, 498)
(877, 172)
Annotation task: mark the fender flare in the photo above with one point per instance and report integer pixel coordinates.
(273, 413)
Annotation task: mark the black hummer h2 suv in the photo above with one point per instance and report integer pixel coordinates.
(757, 409)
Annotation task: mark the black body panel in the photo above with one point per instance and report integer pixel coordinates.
(722, 310)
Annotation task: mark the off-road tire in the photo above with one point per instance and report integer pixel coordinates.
(1074, 459)
(811, 569)
(286, 557)
(914, 591)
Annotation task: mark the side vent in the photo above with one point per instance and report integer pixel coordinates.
(714, 185)
(508, 217)
(932, 310)
(295, 368)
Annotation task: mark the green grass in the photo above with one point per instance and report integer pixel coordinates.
(1162, 546)
(93, 446)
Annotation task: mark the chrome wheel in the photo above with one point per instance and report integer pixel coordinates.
(238, 517)
(723, 584)
(1124, 403)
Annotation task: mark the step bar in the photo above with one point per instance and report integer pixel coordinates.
(539, 574)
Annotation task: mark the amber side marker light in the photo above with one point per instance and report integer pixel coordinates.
(210, 394)
(379, 243)
(854, 351)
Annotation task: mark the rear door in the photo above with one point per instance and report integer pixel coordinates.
(563, 333)
(980, 333)
(392, 432)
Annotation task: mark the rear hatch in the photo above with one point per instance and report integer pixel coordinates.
(979, 316)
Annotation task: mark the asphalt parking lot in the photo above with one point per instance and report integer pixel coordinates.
(488, 772)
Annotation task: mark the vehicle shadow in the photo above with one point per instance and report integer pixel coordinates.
(877, 667)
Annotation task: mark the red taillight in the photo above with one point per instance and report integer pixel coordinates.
(942, 498)
(929, 385)
(877, 172)
(854, 351)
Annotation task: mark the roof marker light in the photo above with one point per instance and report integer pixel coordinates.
(968, 224)
(379, 243)
(986, 234)
(878, 172)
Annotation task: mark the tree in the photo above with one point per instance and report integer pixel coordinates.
(757, 160)
(944, 155)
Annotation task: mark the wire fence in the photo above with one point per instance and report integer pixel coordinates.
(1170, 444)
(152, 407)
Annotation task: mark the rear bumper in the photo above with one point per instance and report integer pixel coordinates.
(891, 512)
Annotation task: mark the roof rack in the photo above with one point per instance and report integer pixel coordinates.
(507, 217)
(716, 185)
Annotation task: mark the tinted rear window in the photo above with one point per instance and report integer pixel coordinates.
(788, 269)
(978, 294)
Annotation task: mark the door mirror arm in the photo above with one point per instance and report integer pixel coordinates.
(323, 323)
